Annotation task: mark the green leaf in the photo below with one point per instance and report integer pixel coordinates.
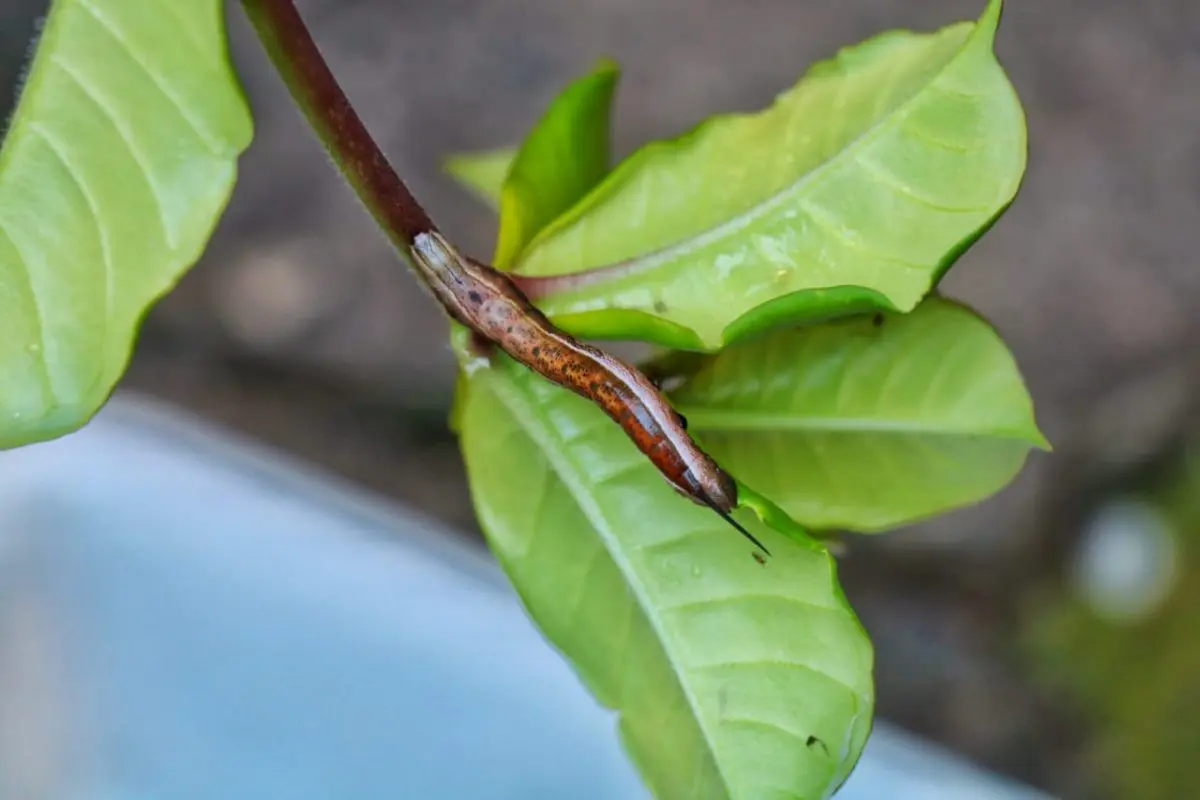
(771, 515)
(119, 160)
(857, 189)
(483, 173)
(565, 155)
(731, 678)
(867, 423)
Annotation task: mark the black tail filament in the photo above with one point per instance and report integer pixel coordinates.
(737, 526)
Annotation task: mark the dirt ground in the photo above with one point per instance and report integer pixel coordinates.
(301, 328)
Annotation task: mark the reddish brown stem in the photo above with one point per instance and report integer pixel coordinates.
(299, 62)
(330, 114)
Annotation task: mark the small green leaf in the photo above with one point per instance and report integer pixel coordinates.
(867, 423)
(119, 161)
(483, 173)
(730, 678)
(565, 155)
(772, 515)
(856, 189)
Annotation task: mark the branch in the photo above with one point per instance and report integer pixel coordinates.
(329, 113)
(325, 105)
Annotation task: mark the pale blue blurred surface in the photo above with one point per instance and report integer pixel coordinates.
(183, 617)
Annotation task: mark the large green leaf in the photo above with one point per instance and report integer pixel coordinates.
(565, 155)
(731, 678)
(856, 189)
(118, 162)
(867, 423)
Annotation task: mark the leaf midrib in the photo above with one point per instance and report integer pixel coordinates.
(656, 258)
(716, 420)
(509, 395)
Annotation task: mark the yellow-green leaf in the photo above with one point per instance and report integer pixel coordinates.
(119, 160)
(869, 422)
(855, 190)
(731, 678)
(565, 155)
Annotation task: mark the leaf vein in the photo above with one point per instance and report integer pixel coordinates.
(901, 187)
(185, 26)
(732, 599)
(828, 222)
(535, 515)
(622, 650)
(576, 603)
(670, 541)
(716, 666)
(35, 305)
(922, 135)
(135, 152)
(765, 725)
(94, 213)
(163, 87)
(631, 465)
(947, 364)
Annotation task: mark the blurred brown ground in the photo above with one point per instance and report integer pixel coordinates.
(302, 329)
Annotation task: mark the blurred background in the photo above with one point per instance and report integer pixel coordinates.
(1049, 633)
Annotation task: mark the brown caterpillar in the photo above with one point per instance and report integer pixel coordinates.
(490, 304)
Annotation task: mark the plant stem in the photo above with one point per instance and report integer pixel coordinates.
(299, 62)
(328, 110)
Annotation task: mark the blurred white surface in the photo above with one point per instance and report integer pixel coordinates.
(184, 616)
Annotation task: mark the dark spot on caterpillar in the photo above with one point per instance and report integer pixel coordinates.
(877, 320)
(813, 740)
(537, 351)
(475, 297)
(682, 420)
(660, 306)
(508, 329)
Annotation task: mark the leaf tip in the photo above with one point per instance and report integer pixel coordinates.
(989, 21)
(601, 80)
(606, 66)
(772, 515)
